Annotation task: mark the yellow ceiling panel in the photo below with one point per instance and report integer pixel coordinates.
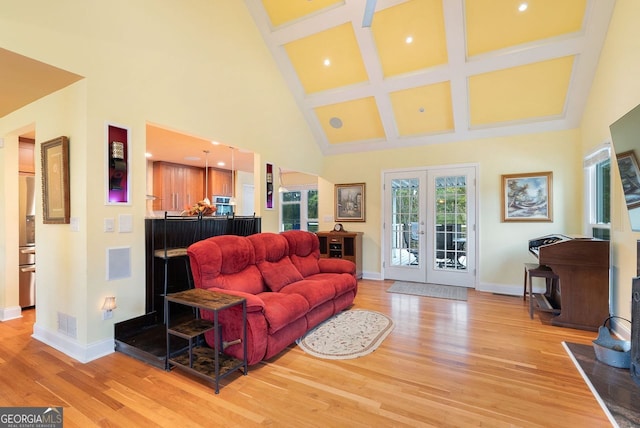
(339, 47)
(520, 93)
(423, 110)
(357, 120)
(420, 20)
(283, 11)
(498, 24)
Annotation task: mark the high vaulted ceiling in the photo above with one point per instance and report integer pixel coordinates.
(472, 68)
(434, 71)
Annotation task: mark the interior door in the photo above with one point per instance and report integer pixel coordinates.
(429, 226)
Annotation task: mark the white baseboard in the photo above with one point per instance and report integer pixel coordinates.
(10, 313)
(71, 347)
(376, 276)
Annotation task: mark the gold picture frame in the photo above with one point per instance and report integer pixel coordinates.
(56, 201)
(527, 197)
(349, 202)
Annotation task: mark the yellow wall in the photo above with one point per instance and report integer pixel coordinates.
(211, 75)
(615, 91)
(502, 246)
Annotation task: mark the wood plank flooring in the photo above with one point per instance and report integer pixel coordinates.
(447, 363)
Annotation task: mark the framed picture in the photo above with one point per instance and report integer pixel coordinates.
(55, 181)
(527, 197)
(118, 169)
(630, 177)
(350, 202)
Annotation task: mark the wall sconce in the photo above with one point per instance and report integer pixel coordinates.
(107, 307)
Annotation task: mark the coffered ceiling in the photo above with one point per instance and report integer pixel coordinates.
(423, 72)
(434, 71)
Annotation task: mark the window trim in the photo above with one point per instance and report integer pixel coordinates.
(600, 154)
(304, 204)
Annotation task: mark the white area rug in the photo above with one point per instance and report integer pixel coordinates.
(429, 290)
(347, 335)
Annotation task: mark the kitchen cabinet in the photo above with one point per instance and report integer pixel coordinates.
(176, 186)
(220, 183)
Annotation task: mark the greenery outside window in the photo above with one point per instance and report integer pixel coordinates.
(299, 209)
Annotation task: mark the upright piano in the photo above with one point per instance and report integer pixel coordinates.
(582, 265)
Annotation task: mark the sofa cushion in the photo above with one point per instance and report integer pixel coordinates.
(272, 259)
(315, 292)
(341, 282)
(282, 309)
(304, 250)
(225, 261)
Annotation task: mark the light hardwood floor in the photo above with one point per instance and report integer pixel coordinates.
(482, 362)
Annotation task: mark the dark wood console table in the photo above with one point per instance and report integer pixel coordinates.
(203, 361)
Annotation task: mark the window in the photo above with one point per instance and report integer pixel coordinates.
(299, 209)
(598, 187)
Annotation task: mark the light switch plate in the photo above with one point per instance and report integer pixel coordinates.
(109, 224)
(125, 223)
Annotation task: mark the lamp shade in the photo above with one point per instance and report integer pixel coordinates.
(109, 303)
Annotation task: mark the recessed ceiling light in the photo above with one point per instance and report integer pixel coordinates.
(523, 7)
(408, 40)
(335, 122)
(148, 155)
(326, 62)
(221, 163)
(421, 109)
(215, 143)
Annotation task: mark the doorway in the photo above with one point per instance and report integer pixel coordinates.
(429, 232)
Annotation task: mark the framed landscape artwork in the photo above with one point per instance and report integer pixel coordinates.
(350, 202)
(630, 176)
(527, 197)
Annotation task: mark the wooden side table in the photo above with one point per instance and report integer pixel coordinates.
(205, 362)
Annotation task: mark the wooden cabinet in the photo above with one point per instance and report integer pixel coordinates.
(26, 150)
(342, 245)
(176, 186)
(220, 182)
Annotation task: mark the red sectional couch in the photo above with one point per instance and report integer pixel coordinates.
(288, 287)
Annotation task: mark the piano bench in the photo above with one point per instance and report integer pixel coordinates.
(531, 271)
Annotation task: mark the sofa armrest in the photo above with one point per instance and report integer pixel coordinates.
(254, 303)
(335, 265)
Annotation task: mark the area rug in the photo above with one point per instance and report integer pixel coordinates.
(429, 290)
(349, 334)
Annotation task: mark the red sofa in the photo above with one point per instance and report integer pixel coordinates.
(288, 287)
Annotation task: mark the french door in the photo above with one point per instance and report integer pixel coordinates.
(429, 226)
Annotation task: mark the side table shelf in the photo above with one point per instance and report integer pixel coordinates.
(199, 359)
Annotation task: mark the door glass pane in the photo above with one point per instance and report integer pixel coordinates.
(404, 228)
(291, 211)
(451, 223)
